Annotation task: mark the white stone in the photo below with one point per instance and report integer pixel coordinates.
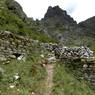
(64, 47)
(16, 76)
(33, 93)
(51, 59)
(85, 66)
(20, 57)
(7, 32)
(86, 54)
(42, 55)
(12, 86)
(18, 90)
(82, 47)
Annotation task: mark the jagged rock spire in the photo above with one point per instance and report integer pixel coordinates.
(58, 14)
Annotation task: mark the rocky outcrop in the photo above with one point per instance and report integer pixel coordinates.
(16, 8)
(59, 25)
(60, 15)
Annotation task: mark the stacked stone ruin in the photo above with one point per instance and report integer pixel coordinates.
(13, 46)
(83, 53)
(70, 52)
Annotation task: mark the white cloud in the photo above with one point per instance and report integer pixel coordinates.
(84, 10)
(78, 9)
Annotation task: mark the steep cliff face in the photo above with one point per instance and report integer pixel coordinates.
(59, 25)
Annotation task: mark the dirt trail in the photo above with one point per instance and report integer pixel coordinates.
(49, 79)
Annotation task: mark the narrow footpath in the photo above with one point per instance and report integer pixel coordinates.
(49, 79)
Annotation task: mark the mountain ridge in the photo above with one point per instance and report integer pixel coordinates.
(56, 25)
(61, 26)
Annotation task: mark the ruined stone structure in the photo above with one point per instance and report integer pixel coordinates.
(13, 46)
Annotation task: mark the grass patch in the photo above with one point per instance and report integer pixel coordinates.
(66, 84)
(31, 73)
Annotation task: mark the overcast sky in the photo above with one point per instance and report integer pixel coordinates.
(79, 9)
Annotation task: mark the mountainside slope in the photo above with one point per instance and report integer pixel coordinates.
(40, 67)
(59, 25)
(12, 18)
(89, 25)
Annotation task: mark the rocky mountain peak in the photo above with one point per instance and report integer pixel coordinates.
(58, 14)
(54, 11)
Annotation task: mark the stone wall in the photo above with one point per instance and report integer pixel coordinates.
(74, 52)
(81, 56)
(13, 46)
